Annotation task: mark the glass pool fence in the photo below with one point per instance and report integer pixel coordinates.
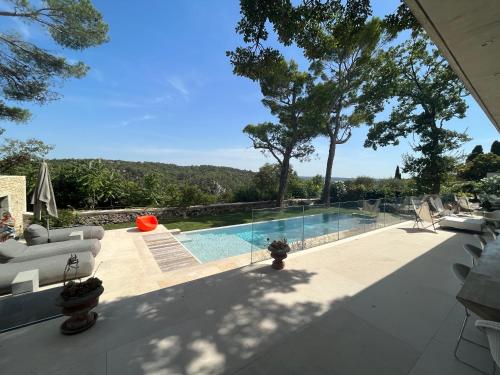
(304, 227)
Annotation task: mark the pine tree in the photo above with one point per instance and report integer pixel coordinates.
(478, 150)
(397, 174)
(495, 148)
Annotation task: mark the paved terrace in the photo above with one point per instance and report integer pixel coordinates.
(379, 303)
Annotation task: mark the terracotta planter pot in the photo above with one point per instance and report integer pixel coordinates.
(79, 311)
(278, 257)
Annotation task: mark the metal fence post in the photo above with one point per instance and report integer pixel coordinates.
(338, 221)
(251, 241)
(303, 226)
(384, 199)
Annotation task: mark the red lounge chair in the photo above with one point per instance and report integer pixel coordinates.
(146, 223)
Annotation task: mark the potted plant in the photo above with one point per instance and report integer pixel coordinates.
(279, 250)
(77, 299)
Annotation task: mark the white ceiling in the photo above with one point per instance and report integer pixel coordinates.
(468, 34)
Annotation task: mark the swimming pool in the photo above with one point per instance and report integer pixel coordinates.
(218, 243)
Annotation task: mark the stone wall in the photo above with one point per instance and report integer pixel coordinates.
(13, 190)
(101, 217)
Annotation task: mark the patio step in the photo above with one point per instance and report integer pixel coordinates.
(168, 252)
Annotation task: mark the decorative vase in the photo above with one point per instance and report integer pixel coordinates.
(79, 311)
(278, 257)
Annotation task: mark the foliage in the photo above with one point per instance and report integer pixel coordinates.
(338, 191)
(489, 185)
(477, 150)
(152, 188)
(279, 246)
(343, 60)
(478, 167)
(495, 148)
(428, 93)
(291, 22)
(28, 71)
(23, 158)
(99, 184)
(266, 181)
(336, 37)
(369, 188)
(456, 187)
(285, 91)
(402, 19)
(193, 195)
(66, 218)
(206, 177)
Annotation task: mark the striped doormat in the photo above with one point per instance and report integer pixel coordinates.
(168, 252)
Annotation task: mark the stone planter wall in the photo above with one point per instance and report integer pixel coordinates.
(101, 217)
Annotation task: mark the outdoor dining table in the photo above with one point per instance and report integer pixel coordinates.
(480, 292)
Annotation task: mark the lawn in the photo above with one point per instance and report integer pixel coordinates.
(199, 222)
(244, 217)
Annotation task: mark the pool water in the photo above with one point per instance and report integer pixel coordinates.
(218, 243)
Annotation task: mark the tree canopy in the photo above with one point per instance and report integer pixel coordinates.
(495, 148)
(428, 94)
(477, 150)
(286, 94)
(480, 166)
(343, 61)
(27, 71)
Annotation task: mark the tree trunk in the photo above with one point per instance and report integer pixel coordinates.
(437, 172)
(325, 197)
(285, 170)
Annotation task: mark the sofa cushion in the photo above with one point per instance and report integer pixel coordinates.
(11, 249)
(36, 235)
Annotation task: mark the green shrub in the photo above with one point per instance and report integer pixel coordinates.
(489, 185)
(67, 218)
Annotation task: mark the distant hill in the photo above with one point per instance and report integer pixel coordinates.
(208, 177)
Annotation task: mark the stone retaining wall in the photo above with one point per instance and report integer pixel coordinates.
(13, 195)
(101, 217)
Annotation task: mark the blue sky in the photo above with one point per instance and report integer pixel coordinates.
(163, 90)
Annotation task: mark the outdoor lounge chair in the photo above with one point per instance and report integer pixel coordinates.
(423, 215)
(437, 205)
(464, 205)
(49, 259)
(371, 207)
(36, 234)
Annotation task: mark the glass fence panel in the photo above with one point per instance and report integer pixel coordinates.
(276, 224)
(309, 226)
(372, 214)
(321, 224)
(395, 210)
(352, 219)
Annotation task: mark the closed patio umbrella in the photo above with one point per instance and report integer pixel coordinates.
(43, 195)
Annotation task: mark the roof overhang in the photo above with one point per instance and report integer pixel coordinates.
(468, 35)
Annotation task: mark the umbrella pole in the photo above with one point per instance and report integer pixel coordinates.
(48, 226)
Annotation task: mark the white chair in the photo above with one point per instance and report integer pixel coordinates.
(492, 331)
(493, 232)
(461, 271)
(482, 240)
(474, 252)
